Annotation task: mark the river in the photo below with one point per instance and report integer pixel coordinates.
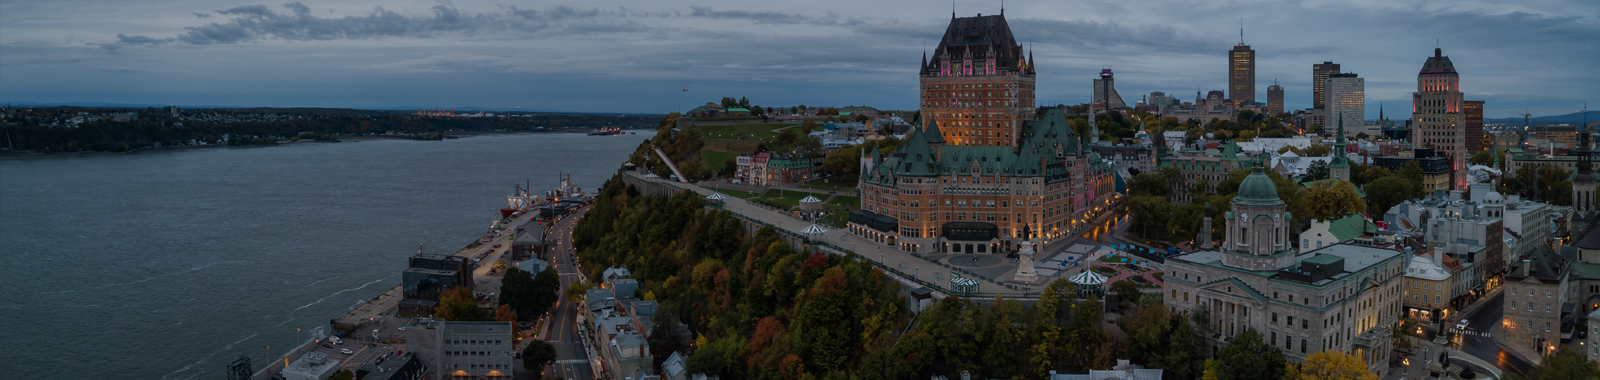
(170, 264)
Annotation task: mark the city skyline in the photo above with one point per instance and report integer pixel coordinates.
(615, 56)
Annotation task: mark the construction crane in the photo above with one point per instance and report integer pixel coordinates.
(1525, 118)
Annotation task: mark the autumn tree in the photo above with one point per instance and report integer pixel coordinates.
(1481, 158)
(459, 305)
(1332, 199)
(1334, 365)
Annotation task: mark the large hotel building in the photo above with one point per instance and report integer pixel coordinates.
(979, 84)
(982, 169)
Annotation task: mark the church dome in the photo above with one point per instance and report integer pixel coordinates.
(1494, 197)
(1257, 187)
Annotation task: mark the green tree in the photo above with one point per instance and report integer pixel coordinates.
(458, 305)
(1331, 199)
(1126, 291)
(1484, 158)
(1186, 352)
(1412, 172)
(808, 126)
(1317, 172)
(1149, 184)
(1564, 364)
(1317, 150)
(343, 374)
(1247, 357)
(1386, 192)
(537, 355)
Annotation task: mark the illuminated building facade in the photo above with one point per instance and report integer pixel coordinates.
(930, 196)
(978, 84)
(1437, 120)
(1319, 81)
(1241, 74)
(1347, 100)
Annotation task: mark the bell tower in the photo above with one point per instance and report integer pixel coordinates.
(1258, 227)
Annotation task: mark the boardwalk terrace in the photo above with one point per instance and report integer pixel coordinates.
(1337, 298)
(978, 82)
(932, 197)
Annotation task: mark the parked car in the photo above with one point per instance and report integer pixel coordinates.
(1461, 325)
(346, 351)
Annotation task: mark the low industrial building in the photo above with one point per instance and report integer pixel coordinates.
(311, 366)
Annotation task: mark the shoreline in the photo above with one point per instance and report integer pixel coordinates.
(341, 139)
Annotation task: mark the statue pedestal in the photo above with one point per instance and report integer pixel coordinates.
(1025, 271)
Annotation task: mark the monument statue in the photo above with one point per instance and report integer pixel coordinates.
(1025, 271)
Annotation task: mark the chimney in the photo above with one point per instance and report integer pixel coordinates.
(1526, 263)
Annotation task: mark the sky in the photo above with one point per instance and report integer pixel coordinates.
(641, 56)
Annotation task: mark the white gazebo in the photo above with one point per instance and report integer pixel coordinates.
(814, 230)
(1089, 281)
(651, 175)
(716, 197)
(810, 203)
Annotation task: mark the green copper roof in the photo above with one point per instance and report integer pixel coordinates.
(1257, 187)
(934, 136)
(1350, 227)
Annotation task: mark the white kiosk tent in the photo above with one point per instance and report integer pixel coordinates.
(1088, 282)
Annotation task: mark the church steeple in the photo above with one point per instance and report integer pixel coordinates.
(1339, 166)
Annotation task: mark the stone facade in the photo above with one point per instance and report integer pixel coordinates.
(1536, 289)
(1342, 297)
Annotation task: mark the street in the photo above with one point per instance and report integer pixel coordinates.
(571, 360)
(1476, 341)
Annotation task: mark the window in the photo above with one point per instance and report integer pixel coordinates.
(1513, 304)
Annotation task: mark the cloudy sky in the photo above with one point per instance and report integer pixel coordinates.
(639, 56)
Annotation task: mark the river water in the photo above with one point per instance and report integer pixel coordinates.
(170, 264)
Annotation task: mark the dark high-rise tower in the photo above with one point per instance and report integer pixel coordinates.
(1105, 92)
(1319, 82)
(1241, 73)
(1437, 120)
(979, 83)
(1274, 98)
(1473, 109)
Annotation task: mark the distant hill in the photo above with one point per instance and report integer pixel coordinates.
(1572, 118)
(316, 110)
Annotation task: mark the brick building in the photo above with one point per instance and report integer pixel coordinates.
(978, 84)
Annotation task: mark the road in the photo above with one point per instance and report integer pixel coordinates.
(571, 360)
(1475, 339)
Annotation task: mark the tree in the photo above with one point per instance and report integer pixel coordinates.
(577, 290)
(1331, 199)
(529, 295)
(808, 126)
(1412, 172)
(1213, 370)
(1317, 150)
(343, 374)
(1386, 192)
(1247, 357)
(459, 305)
(1126, 291)
(843, 162)
(1334, 365)
(1565, 364)
(1149, 184)
(1484, 158)
(1186, 353)
(1317, 172)
(538, 354)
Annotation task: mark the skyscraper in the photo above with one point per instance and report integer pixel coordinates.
(1437, 120)
(1347, 99)
(1274, 98)
(979, 84)
(1473, 109)
(1241, 73)
(1319, 81)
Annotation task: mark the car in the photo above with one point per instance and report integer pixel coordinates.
(346, 351)
(1461, 325)
(402, 328)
